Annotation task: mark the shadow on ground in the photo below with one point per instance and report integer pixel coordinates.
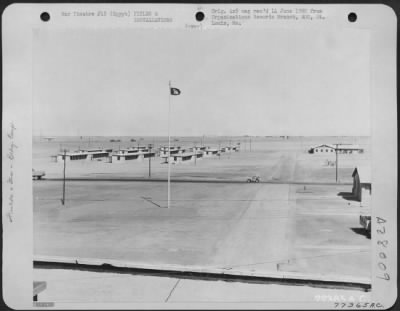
(361, 231)
(347, 196)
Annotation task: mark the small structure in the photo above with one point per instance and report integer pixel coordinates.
(174, 150)
(210, 152)
(226, 149)
(362, 184)
(197, 148)
(89, 154)
(229, 148)
(349, 148)
(322, 149)
(182, 157)
(98, 153)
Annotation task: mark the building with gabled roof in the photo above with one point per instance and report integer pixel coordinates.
(333, 148)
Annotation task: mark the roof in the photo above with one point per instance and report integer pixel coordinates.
(364, 173)
(339, 146)
(128, 151)
(349, 146)
(187, 154)
(324, 145)
(95, 150)
(73, 153)
(121, 154)
(172, 147)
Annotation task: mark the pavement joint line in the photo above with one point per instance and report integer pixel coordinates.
(150, 201)
(199, 272)
(172, 290)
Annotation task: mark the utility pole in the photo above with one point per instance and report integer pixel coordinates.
(250, 144)
(195, 153)
(336, 151)
(65, 158)
(169, 146)
(150, 146)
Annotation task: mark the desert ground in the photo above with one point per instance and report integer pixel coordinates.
(297, 219)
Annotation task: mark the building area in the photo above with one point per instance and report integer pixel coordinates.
(89, 154)
(333, 148)
(178, 154)
(135, 153)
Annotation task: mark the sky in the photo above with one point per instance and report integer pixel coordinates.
(236, 82)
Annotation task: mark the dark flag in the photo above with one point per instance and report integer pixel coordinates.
(175, 91)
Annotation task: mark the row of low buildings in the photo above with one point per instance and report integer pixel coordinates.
(177, 154)
(89, 154)
(333, 148)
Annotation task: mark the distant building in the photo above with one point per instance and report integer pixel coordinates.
(332, 148)
(198, 148)
(362, 184)
(174, 150)
(98, 153)
(230, 148)
(182, 157)
(322, 149)
(349, 148)
(210, 152)
(137, 153)
(89, 154)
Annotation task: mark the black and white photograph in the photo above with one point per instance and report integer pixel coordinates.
(214, 156)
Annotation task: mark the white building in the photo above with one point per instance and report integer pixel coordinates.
(198, 148)
(89, 154)
(131, 154)
(349, 148)
(322, 149)
(183, 157)
(210, 152)
(174, 150)
(332, 148)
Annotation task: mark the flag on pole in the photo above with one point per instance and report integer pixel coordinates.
(175, 91)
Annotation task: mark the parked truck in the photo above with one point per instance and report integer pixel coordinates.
(37, 174)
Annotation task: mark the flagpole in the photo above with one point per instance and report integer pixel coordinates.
(169, 146)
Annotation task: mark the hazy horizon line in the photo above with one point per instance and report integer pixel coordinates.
(140, 136)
